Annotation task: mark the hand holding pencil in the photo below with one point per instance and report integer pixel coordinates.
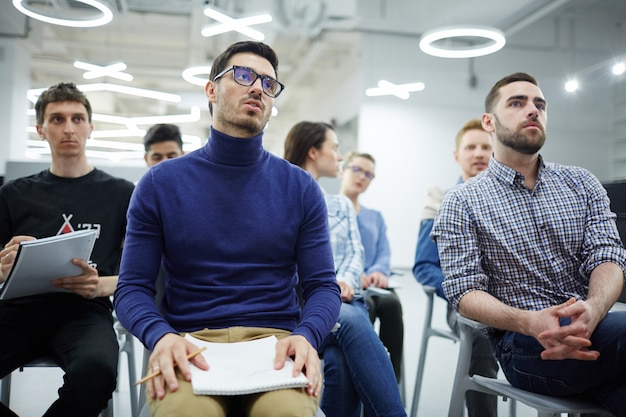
(158, 370)
(172, 351)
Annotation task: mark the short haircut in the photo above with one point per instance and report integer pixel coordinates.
(302, 137)
(473, 124)
(60, 92)
(494, 94)
(257, 48)
(162, 132)
(354, 154)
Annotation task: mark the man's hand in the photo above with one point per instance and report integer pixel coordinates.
(306, 359)
(8, 253)
(86, 284)
(171, 351)
(571, 341)
(347, 292)
(376, 278)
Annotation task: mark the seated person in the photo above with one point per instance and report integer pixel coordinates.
(356, 176)
(162, 141)
(75, 327)
(235, 230)
(357, 368)
(531, 249)
(473, 149)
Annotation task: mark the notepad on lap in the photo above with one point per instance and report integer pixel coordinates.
(40, 261)
(242, 368)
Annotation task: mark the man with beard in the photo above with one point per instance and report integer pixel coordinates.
(235, 230)
(531, 249)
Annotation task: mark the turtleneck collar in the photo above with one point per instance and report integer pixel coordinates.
(228, 150)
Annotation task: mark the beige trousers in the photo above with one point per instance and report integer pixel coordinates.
(279, 403)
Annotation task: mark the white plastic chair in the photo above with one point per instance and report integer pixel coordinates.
(546, 406)
(125, 341)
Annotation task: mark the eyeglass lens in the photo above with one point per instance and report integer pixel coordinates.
(368, 174)
(246, 76)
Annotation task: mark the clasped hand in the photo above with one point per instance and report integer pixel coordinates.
(570, 341)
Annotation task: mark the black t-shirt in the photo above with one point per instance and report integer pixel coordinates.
(44, 204)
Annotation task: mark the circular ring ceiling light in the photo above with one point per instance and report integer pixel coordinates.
(100, 16)
(191, 74)
(495, 37)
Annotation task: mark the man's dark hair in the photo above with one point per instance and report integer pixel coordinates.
(302, 137)
(257, 48)
(60, 92)
(162, 132)
(494, 94)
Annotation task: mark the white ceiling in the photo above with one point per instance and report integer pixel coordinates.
(316, 41)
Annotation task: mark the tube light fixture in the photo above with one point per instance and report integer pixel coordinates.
(495, 37)
(399, 90)
(191, 74)
(239, 25)
(97, 71)
(102, 15)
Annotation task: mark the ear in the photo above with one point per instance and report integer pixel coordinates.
(145, 157)
(488, 122)
(312, 154)
(210, 91)
(40, 132)
(456, 156)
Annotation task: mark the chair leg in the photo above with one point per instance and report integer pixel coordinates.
(5, 394)
(422, 356)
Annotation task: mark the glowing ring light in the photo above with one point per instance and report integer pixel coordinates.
(191, 75)
(495, 36)
(104, 16)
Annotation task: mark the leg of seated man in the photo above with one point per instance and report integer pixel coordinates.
(388, 309)
(368, 361)
(604, 378)
(339, 397)
(88, 351)
(184, 403)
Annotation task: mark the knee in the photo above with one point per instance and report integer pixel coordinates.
(93, 375)
(186, 406)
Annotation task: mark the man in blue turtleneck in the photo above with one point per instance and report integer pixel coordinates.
(235, 230)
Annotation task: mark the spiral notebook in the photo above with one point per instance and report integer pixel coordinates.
(242, 368)
(40, 261)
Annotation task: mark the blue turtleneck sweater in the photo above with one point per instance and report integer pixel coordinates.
(232, 227)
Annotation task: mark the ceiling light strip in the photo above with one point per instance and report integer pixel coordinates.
(495, 37)
(104, 16)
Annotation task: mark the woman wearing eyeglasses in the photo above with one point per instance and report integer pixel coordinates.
(356, 177)
(357, 368)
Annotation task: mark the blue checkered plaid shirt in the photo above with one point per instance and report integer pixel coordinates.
(531, 249)
(345, 240)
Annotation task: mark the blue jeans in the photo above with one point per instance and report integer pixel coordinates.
(357, 369)
(604, 378)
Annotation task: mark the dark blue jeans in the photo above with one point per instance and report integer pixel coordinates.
(357, 369)
(604, 378)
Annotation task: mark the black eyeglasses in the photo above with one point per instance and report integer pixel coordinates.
(358, 170)
(246, 76)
